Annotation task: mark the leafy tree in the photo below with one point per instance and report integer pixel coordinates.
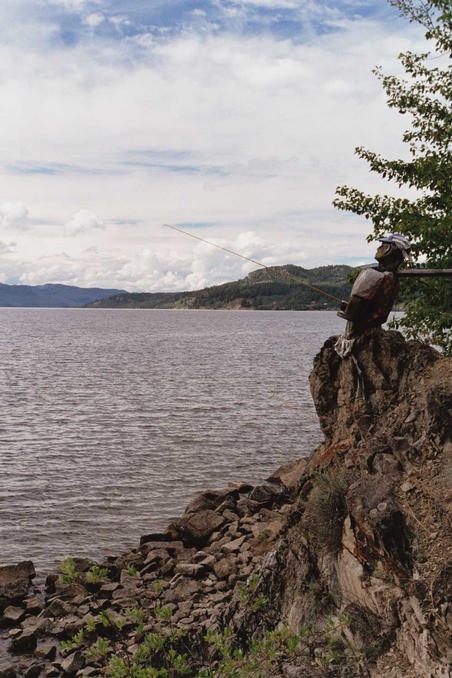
(425, 95)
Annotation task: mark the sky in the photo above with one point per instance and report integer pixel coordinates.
(232, 119)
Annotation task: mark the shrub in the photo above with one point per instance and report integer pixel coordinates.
(324, 511)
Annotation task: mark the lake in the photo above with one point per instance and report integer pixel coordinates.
(111, 419)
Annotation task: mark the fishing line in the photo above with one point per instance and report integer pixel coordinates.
(271, 269)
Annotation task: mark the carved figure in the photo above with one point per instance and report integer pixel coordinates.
(375, 289)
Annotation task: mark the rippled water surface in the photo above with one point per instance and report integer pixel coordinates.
(111, 419)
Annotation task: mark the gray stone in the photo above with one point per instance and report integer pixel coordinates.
(289, 474)
(184, 589)
(190, 569)
(34, 605)
(66, 626)
(247, 507)
(15, 581)
(219, 543)
(220, 596)
(26, 642)
(106, 590)
(12, 615)
(242, 488)
(87, 671)
(155, 555)
(73, 663)
(156, 537)
(230, 516)
(235, 545)
(71, 591)
(200, 555)
(267, 494)
(167, 567)
(39, 626)
(129, 580)
(56, 608)
(34, 670)
(196, 528)
(212, 499)
(224, 567)
(46, 651)
(208, 561)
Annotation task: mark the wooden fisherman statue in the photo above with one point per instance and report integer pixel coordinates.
(375, 289)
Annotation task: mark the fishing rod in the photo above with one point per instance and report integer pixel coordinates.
(271, 269)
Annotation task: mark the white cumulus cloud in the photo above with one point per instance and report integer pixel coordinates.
(94, 19)
(14, 214)
(83, 222)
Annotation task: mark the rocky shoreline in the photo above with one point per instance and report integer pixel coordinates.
(194, 567)
(338, 566)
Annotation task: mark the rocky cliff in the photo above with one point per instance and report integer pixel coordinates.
(338, 566)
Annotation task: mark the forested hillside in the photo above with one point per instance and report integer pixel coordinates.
(260, 290)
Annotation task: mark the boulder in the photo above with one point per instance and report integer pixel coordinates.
(15, 581)
(156, 537)
(25, 642)
(46, 651)
(7, 671)
(12, 616)
(70, 591)
(56, 608)
(34, 670)
(247, 507)
(234, 545)
(196, 528)
(212, 499)
(225, 567)
(267, 495)
(34, 605)
(73, 663)
(184, 590)
(107, 590)
(170, 547)
(289, 474)
(242, 488)
(190, 569)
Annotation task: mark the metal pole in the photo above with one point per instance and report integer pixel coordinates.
(426, 272)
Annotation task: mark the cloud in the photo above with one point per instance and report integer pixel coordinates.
(6, 247)
(247, 130)
(119, 20)
(274, 4)
(83, 222)
(93, 20)
(73, 5)
(14, 215)
(148, 269)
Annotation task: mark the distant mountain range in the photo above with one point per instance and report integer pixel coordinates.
(259, 290)
(51, 296)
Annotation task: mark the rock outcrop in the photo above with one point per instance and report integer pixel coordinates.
(369, 540)
(337, 566)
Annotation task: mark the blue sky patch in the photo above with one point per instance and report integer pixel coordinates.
(124, 19)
